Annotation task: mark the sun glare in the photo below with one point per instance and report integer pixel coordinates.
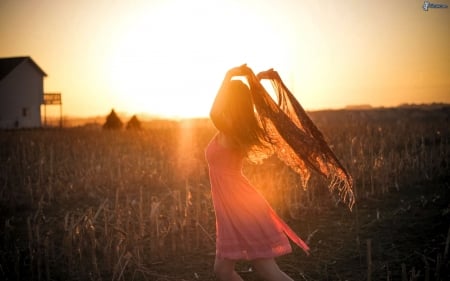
(170, 62)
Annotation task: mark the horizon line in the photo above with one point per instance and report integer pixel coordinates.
(150, 116)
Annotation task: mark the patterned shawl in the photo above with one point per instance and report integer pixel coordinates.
(295, 138)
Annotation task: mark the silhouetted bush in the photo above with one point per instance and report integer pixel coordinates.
(113, 122)
(134, 123)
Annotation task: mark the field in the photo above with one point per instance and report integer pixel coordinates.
(86, 204)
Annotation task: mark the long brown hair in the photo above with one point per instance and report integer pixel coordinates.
(245, 127)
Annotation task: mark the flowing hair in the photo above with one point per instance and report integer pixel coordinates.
(294, 137)
(246, 131)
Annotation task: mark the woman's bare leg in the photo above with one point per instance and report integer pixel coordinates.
(269, 270)
(224, 270)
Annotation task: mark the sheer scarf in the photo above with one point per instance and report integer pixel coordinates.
(294, 137)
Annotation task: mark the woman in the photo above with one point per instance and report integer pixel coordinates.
(247, 227)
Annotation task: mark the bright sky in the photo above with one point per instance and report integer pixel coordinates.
(169, 57)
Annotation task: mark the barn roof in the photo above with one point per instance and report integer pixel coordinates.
(8, 64)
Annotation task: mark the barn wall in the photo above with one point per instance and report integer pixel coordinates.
(21, 97)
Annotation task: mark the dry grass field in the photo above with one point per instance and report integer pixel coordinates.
(86, 204)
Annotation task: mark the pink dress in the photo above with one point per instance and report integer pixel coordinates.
(246, 226)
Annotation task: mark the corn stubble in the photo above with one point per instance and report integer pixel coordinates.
(98, 205)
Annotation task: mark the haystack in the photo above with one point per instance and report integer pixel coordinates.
(133, 123)
(113, 121)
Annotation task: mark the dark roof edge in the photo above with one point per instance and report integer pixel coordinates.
(36, 65)
(24, 58)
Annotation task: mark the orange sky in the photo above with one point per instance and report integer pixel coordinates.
(169, 57)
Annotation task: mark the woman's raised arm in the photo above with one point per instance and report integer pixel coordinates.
(217, 112)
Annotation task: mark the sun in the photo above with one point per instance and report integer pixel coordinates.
(171, 59)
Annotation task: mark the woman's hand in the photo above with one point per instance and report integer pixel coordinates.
(268, 74)
(242, 70)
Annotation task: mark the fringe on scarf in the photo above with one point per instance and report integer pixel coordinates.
(295, 138)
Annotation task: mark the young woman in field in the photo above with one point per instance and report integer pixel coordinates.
(252, 126)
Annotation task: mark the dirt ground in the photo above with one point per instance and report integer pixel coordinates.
(406, 233)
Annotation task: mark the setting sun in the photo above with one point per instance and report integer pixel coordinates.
(167, 58)
(171, 63)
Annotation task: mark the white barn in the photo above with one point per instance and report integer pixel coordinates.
(21, 93)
